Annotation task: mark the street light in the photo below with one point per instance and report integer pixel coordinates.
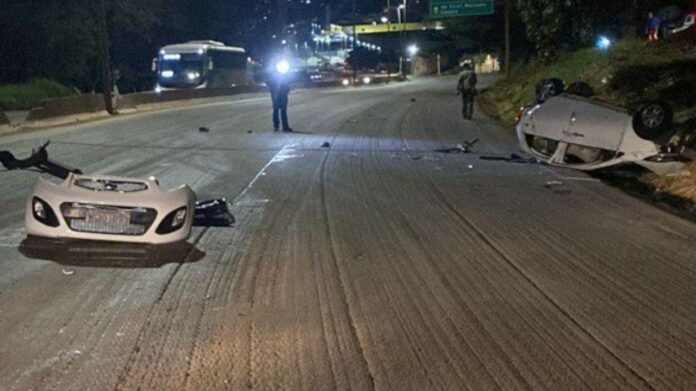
(413, 50)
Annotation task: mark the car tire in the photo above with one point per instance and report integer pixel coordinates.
(580, 88)
(548, 88)
(653, 120)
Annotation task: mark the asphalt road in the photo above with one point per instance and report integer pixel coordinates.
(375, 263)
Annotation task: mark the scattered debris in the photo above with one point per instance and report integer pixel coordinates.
(551, 184)
(413, 99)
(580, 179)
(326, 145)
(514, 158)
(419, 157)
(558, 186)
(460, 148)
(203, 129)
(68, 272)
(250, 131)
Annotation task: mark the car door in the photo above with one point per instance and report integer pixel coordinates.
(550, 120)
(594, 125)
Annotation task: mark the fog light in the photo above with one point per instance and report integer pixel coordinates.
(43, 213)
(39, 210)
(179, 218)
(173, 221)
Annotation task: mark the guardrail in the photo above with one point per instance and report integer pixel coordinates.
(72, 108)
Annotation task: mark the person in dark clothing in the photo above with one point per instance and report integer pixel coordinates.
(279, 86)
(466, 87)
(652, 27)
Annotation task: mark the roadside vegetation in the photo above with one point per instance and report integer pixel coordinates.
(624, 74)
(29, 95)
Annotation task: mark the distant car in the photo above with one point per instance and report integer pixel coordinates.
(569, 128)
(684, 24)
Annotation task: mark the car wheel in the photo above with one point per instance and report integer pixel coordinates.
(580, 88)
(548, 88)
(653, 120)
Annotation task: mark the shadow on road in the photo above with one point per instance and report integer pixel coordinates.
(106, 254)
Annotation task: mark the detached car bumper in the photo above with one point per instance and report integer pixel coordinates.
(145, 215)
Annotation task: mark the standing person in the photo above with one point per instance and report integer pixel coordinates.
(652, 27)
(466, 87)
(278, 82)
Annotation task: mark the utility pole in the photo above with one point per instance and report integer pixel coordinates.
(104, 58)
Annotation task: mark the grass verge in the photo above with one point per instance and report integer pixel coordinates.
(29, 95)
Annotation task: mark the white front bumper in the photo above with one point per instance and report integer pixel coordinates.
(163, 202)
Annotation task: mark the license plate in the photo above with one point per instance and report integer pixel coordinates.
(107, 217)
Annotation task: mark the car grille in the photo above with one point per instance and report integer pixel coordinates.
(109, 185)
(104, 219)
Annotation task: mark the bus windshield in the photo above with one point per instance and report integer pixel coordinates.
(182, 69)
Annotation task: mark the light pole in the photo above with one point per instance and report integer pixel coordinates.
(401, 35)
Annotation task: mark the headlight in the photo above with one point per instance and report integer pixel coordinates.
(167, 74)
(192, 75)
(367, 80)
(173, 221)
(345, 82)
(43, 213)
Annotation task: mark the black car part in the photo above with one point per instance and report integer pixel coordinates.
(39, 160)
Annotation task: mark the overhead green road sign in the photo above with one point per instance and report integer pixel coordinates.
(451, 8)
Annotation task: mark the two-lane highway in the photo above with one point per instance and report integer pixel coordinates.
(373, 263)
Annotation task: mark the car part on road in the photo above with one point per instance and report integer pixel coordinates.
(513, 158)
(465, 147)
(326, 145)
(107, 208)
(203, 129)
(213, 213)
(548, 88)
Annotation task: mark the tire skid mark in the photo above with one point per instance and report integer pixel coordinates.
(482, 236)
(345, 286)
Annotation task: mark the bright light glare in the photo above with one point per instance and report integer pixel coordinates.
(385, 19)
(158, 89)
(172, 57)
(167, 74)
(603, 42)
(367, 80)
(192, 75)
(345, 82)
(413, 50)
(283, 67)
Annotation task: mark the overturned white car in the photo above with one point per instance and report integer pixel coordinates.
(568, 127)
(106, 208)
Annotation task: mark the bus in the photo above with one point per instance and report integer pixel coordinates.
(202, 64)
